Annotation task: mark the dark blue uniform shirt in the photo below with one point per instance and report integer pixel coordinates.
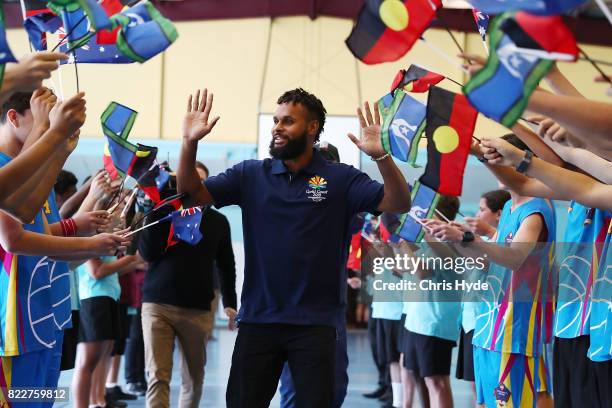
(296, 230)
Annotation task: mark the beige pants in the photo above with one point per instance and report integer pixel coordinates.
(161, 325)
(214, 305)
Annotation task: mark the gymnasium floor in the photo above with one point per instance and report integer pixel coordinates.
(362, 375)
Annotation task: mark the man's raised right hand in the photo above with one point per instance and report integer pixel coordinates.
(195, 123)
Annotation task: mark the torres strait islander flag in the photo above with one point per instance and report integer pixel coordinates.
(501, 89)
(387, 29)
(424, 203)
(127, 158)
(403, 125)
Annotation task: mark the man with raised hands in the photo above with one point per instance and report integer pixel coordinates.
(296, 210)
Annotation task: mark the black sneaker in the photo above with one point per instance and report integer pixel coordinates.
(376, 393)
(116, 394)
(143, 386)
(138, 389)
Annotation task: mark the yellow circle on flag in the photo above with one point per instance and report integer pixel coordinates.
(446, 139)
(394, 14)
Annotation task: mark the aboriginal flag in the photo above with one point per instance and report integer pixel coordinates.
(148, 184)
(415, 79)
(387, 29)
(143, 161)
(449, 130)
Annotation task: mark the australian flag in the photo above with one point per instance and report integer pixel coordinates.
(186, 225)
(482, 22)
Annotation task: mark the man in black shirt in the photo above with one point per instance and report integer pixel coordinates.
(177, 294)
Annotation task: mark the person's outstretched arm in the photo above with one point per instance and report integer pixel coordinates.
(560, 84)
(396, 197)
(16, 240)
(589, 121)
(523, 185)
(584, 189)
(195, 126)
(72, 204)
(537, 146)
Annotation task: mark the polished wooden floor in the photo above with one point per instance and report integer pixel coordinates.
(362, 375)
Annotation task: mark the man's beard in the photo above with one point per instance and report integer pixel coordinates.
(291, 150)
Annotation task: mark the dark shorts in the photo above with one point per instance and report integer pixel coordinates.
(427, 355)
(69, 345)
(388, 337)
(124, 329)
(99, 319)
(578, 381)
(465, 357)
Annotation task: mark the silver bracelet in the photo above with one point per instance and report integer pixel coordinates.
(380, 158)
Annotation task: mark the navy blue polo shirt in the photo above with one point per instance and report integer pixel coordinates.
(296, 234)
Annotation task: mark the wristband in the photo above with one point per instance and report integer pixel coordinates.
(383, 157)
(69, 228)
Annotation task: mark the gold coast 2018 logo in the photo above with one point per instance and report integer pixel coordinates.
(318, 189)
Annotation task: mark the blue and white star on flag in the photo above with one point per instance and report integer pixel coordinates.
(482, 22)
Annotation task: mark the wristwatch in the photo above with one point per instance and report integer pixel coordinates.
(524, 164)
(468, 236)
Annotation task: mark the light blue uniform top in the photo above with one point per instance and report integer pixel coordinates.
(428, 315)
(74, 289)
(387, 304)
(575, 257)
(90, 287)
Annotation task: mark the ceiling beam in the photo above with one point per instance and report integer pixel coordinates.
(587, 30)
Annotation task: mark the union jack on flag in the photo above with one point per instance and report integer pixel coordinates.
(186, 225)
(482, 22)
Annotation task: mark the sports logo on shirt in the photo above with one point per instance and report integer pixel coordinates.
(318, 189)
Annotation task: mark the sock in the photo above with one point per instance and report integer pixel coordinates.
(398, 396)
(111, 385)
